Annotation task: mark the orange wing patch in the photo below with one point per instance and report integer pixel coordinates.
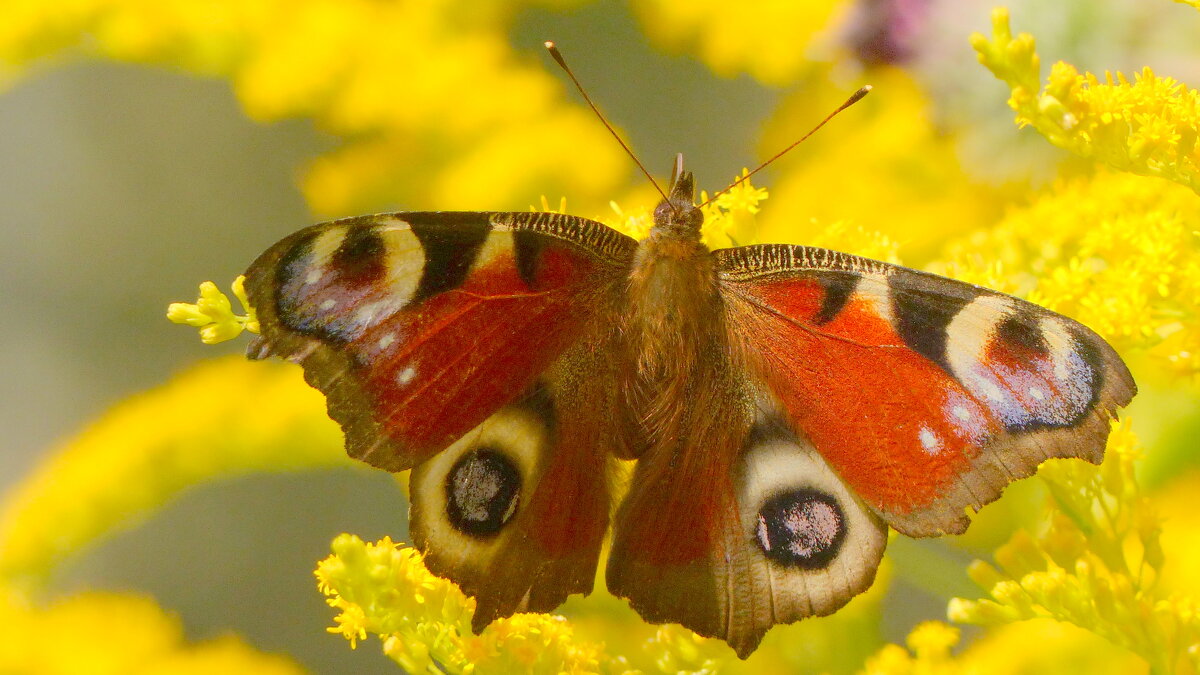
(893, 424)
(925, 394)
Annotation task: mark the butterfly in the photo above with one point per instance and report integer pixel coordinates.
(784, 404)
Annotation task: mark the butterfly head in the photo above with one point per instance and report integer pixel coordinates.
(677, 216)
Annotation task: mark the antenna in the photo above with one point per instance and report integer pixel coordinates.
(854, 98)
(558, 58)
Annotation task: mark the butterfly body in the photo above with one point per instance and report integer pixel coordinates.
(784, 403)
(673, 329)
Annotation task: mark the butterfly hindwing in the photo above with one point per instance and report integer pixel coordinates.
(516, 510)
(762, 532)
(926, 395)
(419, 326)
(813, 544)
(673, 529)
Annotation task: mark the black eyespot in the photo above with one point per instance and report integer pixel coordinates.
(803, 528)
(360, 257)
(1022, 332)
(482, 490)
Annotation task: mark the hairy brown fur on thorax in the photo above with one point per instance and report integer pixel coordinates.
(684, 393)
(674, 327)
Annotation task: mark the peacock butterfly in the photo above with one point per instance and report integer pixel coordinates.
(784, 404)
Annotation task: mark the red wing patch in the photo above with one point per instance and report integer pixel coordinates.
(926, 395)
(447, 363)
(419, 326)
(893, 424)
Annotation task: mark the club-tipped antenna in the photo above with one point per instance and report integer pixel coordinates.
(854, 98)
(558, 58)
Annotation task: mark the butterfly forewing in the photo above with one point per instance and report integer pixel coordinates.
(926, 395)
(418, 326)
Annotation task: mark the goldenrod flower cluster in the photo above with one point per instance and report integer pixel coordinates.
(729, 218)
(1096, 564)
(213, 314)
(225, 418)
(1033, 646)
(1147, 127)
(732, 219)
(765, 39)
(425, 622)
(929, 642)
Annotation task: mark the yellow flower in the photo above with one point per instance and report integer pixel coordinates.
(383, 589)
(1096, 565)
(854, 237)
(930, 643)
(679, 650)
(225, 417)
(213, 314)
(729, 220)
(1181, 530)
(1148, 126)
(741, 196)
(1035, 646)
(108, 634)
(932, 640)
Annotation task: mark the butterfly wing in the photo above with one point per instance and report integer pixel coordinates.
(467, 345)
(516, 510)
(418, 326)
(757, 531)
(926, 395)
